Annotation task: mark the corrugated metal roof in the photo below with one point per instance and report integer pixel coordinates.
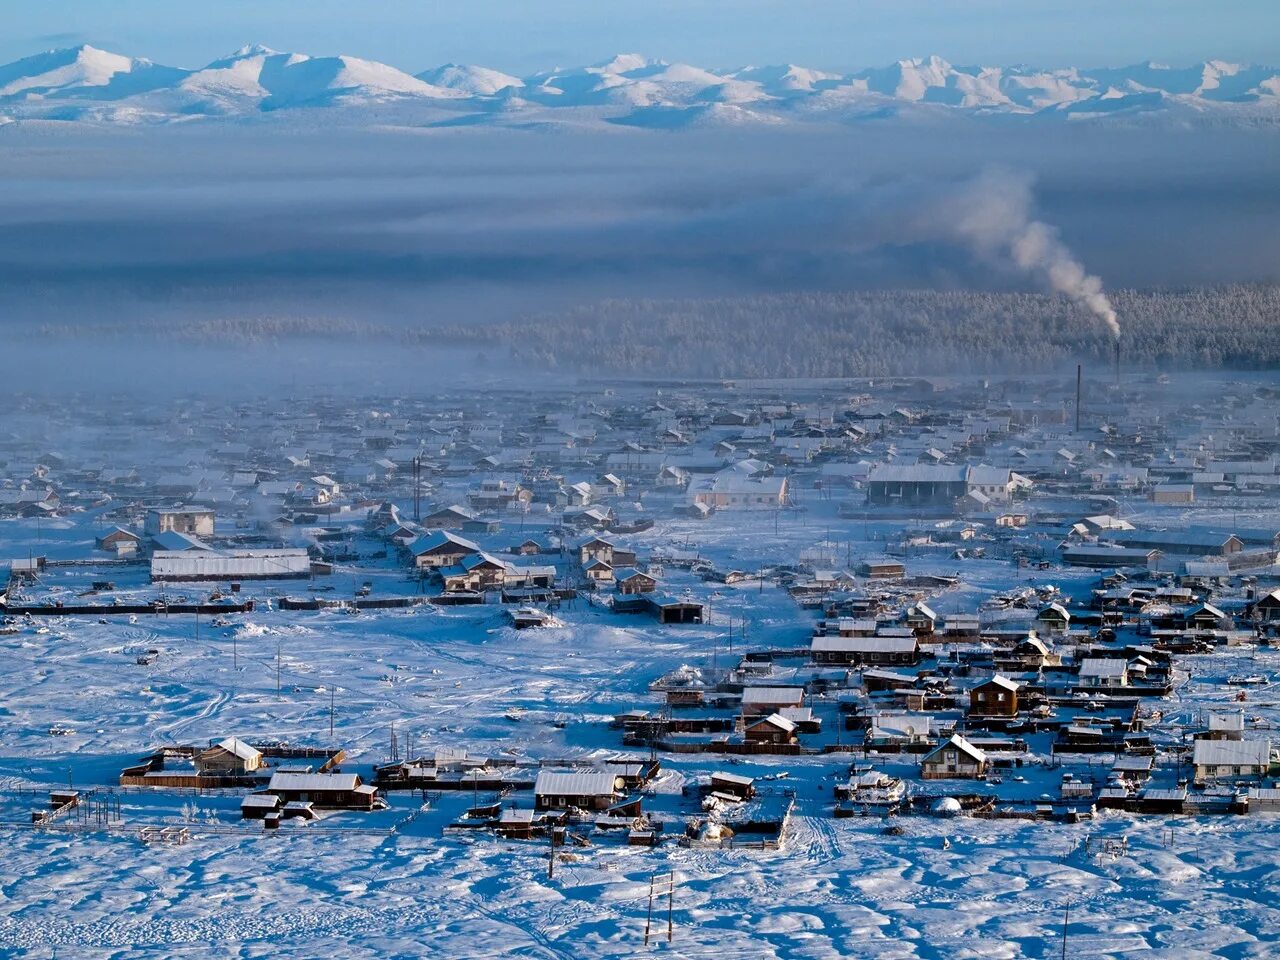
(1103, 667)
(887, 645)
(1232, 753)
(783, 695)
(917, 473)
(562, 783)
(231, 565)
(260, 800)
(313, 782)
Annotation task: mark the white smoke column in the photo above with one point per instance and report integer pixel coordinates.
(993, 214)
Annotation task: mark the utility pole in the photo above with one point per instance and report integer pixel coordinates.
(417, 476)
(277, 668)
(671, 903)
(1066, 919)
(1079, 374)
(551, 855)
(331, 695)
(648, 920)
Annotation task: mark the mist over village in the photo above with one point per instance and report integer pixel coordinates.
(807, 489)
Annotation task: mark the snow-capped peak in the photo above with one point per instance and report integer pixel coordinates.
(252, 50)
(628, 63)
(466, 78)
(88, 83)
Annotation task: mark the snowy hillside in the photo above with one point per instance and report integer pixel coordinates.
(88, 84)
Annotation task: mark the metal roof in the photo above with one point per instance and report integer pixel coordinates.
(1103, 667)
(232, 565)
(239, 748)
(906, 644)
(313, 782)
(784, 695)
(963, 745)
(1232, 753)
(562, 783)
(917, 473)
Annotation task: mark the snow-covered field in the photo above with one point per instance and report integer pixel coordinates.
(394, 884)
(1197, 888)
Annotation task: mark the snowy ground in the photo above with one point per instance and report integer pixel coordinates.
(1197, 888)
(353, 886)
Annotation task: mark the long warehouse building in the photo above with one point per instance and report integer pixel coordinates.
(169, 566)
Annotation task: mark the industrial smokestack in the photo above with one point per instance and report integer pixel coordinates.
(1079, 375)
(1117, 361)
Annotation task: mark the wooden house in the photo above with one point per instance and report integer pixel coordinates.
(757, 701)
(876, 650)
(1053, 619)
(447, 518)
(475, 571)
(324, 791)
(1231, 759)
(119, 541)
(633, 581)
(732, 785)
(997, 697)
(561, 789)
(597, 548)
(609, 485)
(773, 728)
(921, 619)
(598, 572)
(1267, 609)
(440, 549)
(1103, 672)
(531, 548)
(884, 569)
(1205, 616)
(956, 759)
(229, 758)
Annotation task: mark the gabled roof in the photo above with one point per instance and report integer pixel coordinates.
(779, 721)
(173, 541)
(1233, 753)
(1054, 609)
(481, 559)
(563, 783)
(627, 573)
(964, 746)
(440, 538)
(239, 748)
(313, 782)
(1103, 667)
(1003, 683)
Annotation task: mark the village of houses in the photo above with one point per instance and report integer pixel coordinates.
(654, 616)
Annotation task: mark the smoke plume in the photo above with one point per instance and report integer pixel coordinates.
(992, 213)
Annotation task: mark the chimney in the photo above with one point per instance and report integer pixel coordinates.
(1079, 374)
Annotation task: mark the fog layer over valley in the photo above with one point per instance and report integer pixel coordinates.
(515, 239)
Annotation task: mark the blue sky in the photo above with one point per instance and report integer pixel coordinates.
(524, 35)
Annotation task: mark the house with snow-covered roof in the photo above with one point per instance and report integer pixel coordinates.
(956, 759)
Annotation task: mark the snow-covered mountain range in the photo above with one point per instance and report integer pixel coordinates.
(91, 85)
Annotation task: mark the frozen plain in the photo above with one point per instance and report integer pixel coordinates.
(351, 885)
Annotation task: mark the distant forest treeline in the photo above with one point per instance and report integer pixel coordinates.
(895, 332)
(819, 334)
